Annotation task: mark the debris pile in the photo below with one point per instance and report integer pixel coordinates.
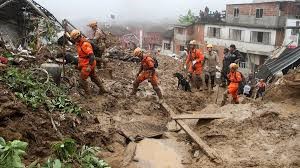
(121, 54)
(285, 87)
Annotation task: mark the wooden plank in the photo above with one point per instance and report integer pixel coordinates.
(207, 150)
(198, 116)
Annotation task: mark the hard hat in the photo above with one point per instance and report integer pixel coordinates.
(137, 51)
(209, 46)
(233, 66)
(193, 42)
(75, 34)
(92, 24)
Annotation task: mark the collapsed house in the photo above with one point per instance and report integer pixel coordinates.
(19, 21)
(282, 62)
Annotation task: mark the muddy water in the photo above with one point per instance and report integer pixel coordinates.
(157, 153)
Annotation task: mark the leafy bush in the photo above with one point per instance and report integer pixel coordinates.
(36, 93)
(11, 153)
(65, 150)
(87, 158)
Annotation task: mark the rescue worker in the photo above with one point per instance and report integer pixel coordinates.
(86, 62)
(146, 72)
(211, 62)
(194, 63)
(235, 77)
(99, 38)
(233, 56)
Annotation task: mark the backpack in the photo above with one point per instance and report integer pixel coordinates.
(96, 49)
(155, 61)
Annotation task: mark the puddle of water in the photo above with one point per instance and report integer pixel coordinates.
(156, 153)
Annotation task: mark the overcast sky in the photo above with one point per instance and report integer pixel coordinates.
(129, 9)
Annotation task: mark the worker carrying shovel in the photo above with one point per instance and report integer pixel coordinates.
(235, 77)
(86, 62)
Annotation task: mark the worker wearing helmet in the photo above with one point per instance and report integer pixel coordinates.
(147, 71)
(211, 62)
(99, 38)
(86, 62)
(235, 77)
(194, 63)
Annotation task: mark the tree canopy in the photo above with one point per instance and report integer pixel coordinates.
(189, 18)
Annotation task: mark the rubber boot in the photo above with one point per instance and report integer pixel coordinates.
(98, 82)
(134, 89)
(159, 94)
(85, 86)
(225, 96)
(206, 82)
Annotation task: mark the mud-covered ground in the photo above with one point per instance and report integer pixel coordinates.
(255, 134)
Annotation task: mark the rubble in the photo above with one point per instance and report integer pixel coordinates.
(124, 55)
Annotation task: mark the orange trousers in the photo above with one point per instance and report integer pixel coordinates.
(84, 74)
(146, 75)
(233, 90)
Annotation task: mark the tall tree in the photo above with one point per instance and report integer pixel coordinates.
(189, 18)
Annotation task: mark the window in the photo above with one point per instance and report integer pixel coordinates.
(214, 32)
(261, 37)
(181, 48)
(167, 46)
(180, 30)
(235, 34)
(236, 12)
(295, 32)
(259, 13)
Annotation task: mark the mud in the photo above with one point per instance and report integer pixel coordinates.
(255, 134)
(155, 153)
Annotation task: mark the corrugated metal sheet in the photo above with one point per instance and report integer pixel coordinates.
(273, 66)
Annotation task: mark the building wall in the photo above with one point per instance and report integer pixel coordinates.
(274, 13)
(247, 14)
(292, 40)
(166, 51)
(245, 44)
(180, 38)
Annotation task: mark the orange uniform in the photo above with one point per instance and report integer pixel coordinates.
(235, 78)
(84, 50)
(147, 65)
(195, 55)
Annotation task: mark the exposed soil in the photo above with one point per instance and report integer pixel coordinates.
(255, 134)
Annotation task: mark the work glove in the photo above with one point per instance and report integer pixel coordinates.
(194, 62)
(88, 69)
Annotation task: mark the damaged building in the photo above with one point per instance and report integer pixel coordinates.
(19, 19)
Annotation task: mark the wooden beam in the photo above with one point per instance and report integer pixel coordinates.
(207, 150)
(198, 116)
(212, 154)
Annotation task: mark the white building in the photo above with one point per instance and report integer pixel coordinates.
(256, 44)
(292, 33)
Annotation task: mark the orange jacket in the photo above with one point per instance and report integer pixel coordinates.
(195, 55)
(235, 78)
(84, 49)
(147, 63)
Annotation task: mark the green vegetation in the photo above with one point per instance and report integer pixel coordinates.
(11, 153)
(189, 18)
(67, 154)
(35, 93)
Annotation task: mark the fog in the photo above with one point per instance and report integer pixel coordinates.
(130, 10)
